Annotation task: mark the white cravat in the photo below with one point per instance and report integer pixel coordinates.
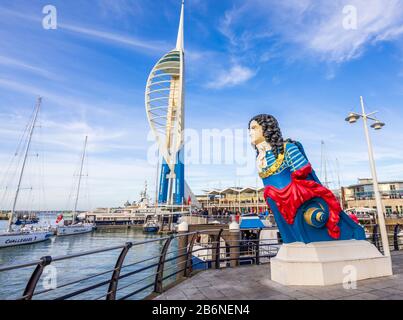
(261, 162)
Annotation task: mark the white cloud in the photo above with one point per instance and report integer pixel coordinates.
(119, 8)
(146, 46)
(108, 184)
(116, 38)
(60, 99)
(12, 62)
(316, 27)
(377, 21)
(116, 172)
(236, 75)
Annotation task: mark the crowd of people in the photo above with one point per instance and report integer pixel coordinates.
(219, 212)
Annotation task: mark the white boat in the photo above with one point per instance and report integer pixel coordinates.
(269, 245)
(368, 234)
(362, 213)
(76, 228)
(151, 226)
(133, 214)
(25, 235)
(203, 251)
(16, 238)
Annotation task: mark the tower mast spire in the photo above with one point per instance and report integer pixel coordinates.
(167, 118)
(180, 40)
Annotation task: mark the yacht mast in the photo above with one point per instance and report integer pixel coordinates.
(156, 185)
(31, 131)
(339, 182)
(324, 164)
(79, 180)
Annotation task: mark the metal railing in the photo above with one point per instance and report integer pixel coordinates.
(143, 277)
(395, 238)
(153, 274)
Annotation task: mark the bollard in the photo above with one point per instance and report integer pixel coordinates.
(183, 241)
(234, 240)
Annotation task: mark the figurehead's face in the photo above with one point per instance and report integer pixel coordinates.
(256, 133)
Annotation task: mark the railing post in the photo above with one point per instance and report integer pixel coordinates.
(257, 258)
(113, 284)
(218, 249)
(188, 263)
(375, 237)
(36, 275)
(396, 237)
(161, 263)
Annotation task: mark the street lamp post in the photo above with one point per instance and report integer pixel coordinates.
(377, 125)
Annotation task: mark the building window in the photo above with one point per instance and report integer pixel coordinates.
(388, 209)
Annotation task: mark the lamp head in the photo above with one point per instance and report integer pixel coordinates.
(377, 125)
(352, 117)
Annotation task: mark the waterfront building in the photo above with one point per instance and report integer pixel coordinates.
(233, 199)
(362, 195)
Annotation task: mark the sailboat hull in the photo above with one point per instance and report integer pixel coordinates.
(72, 230)
(17, 239)
(150, 229)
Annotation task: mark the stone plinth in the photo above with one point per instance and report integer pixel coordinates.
(328, 263)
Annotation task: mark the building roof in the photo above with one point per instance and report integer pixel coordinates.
(249, 190)
(233, 190)
(370, 183)
(252, 222)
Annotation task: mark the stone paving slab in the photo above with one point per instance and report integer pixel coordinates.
(253, 283)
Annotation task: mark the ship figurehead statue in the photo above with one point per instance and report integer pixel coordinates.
(305, 210)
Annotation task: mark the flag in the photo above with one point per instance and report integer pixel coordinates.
(59, 218)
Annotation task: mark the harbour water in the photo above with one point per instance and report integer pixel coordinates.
(65, 271)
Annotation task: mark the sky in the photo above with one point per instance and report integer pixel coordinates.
(306, 62)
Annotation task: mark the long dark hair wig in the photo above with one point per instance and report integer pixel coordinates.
(271, 132)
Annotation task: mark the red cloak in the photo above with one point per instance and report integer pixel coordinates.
(300, 190)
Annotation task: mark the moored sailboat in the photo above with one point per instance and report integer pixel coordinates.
(25, 235)
(76, 227)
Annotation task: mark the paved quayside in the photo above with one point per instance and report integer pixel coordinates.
(253, 283)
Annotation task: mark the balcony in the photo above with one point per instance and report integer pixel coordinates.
(369, 195)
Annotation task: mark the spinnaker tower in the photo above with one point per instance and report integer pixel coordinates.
(165, 101)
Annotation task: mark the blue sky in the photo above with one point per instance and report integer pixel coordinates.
(292, 59)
